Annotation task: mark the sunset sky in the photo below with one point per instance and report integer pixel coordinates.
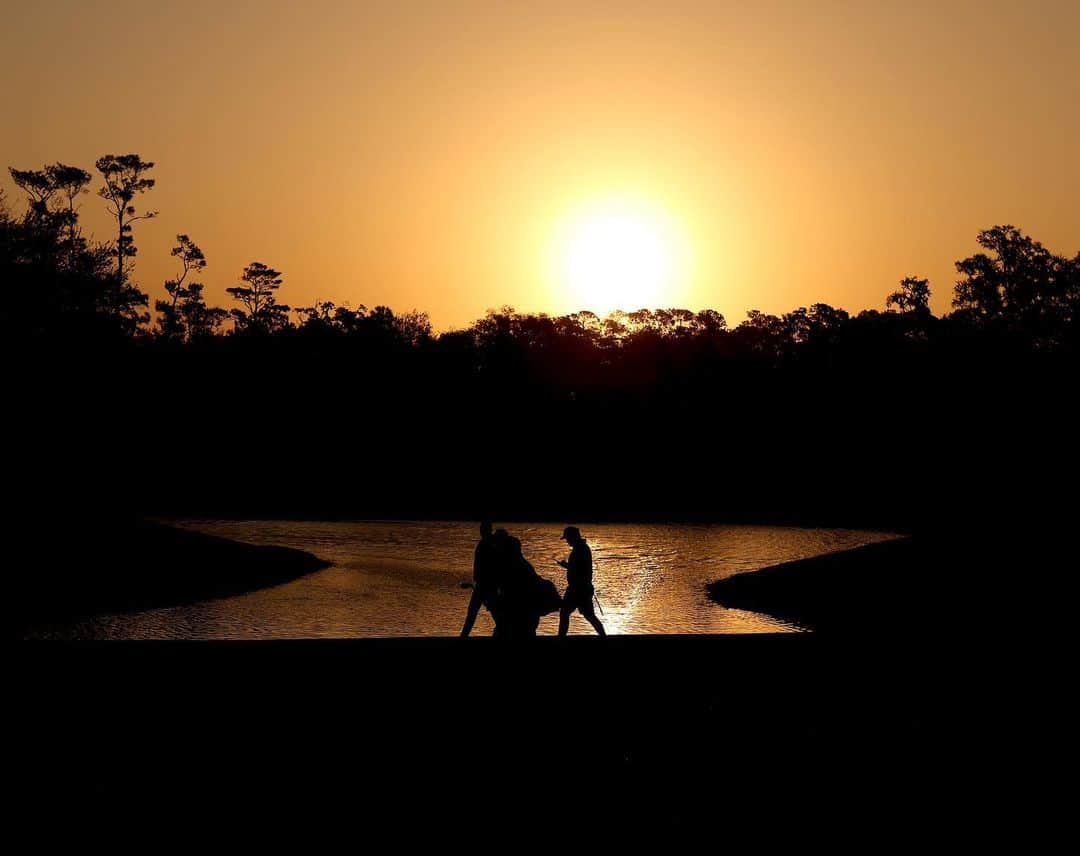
(455, 156)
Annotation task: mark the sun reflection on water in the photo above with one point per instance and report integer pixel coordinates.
(403, 579)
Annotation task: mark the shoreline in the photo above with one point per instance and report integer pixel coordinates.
(139, 565)
(850, 590)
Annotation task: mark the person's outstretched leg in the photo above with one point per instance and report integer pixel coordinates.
(590, 615)
(564, 618)
(470, 615)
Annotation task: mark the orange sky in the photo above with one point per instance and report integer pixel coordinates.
(424, 154)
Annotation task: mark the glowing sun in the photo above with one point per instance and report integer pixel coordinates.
(618, 256)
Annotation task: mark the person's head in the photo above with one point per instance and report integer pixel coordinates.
(485, 528)
(504, 542)
(572, 535)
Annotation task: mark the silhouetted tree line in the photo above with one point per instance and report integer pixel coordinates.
(330, 408)
(1016, 291)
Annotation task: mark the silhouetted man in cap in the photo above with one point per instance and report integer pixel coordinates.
(579, 587)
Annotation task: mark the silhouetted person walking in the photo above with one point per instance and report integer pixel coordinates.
(486, 567)
(579, 587)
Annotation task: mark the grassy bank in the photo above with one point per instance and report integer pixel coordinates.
(852, 590)
(112, 566)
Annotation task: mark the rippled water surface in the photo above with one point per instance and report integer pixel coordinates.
(402, 579)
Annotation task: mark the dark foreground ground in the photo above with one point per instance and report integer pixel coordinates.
(770, 740)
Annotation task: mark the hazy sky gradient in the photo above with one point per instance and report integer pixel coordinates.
(421, 154)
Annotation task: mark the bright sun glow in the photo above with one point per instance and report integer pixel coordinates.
(618, 256)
